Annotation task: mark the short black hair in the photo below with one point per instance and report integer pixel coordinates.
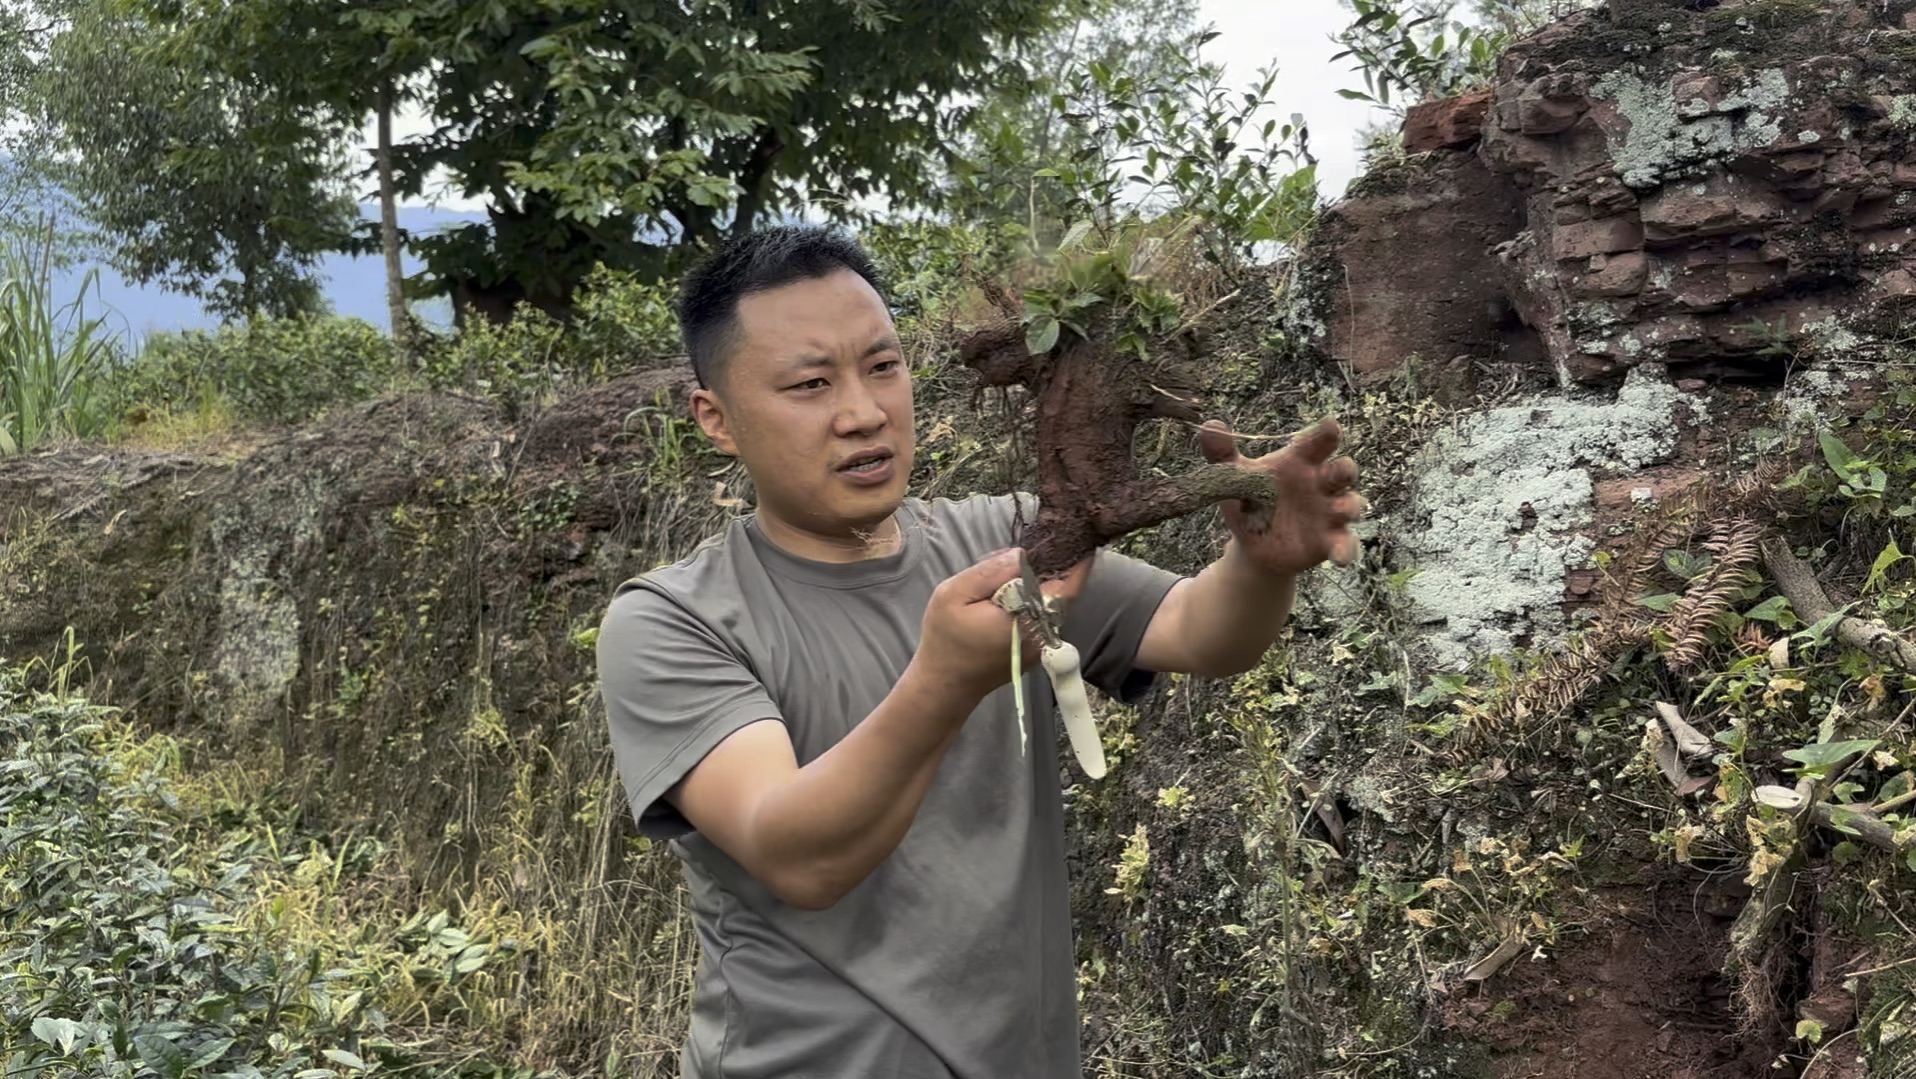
(762, 259)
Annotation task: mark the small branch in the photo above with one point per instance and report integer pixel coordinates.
(1897, 802)
(1867, 826)
(1798, 584)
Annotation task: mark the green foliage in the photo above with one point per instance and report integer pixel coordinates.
(199, 180)
(1412, 48)
(51, 357)
(270, 370)
(1180, 145)
(141, 936)
(1171, 188)
(1024, 120)
(620, 324)
(926, 263)
(1113, 283)
(620, 133)
(289, 370)
(1863, 483)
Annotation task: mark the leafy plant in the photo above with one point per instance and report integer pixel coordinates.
(1415, 50)
(621, 323)
(626, 134)
(1180, 146)
(268, 370)
(141, 937)
(51, 356)
(203, 181)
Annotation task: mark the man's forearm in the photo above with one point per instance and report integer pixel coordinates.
(1231, 613)
(829, 824)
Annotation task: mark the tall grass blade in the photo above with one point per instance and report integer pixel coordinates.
(51, 357)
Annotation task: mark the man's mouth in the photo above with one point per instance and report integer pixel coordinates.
(865, 462)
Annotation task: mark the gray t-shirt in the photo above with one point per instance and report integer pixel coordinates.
(954, 958)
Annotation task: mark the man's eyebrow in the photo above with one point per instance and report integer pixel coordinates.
(809, 360)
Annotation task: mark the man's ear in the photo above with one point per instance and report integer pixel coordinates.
(710, 413)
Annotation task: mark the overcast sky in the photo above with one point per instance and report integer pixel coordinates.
(1296, 34)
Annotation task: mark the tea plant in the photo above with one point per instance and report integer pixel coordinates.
(145, 931)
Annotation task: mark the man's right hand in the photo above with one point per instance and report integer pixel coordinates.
(811, 834)
(965, 642)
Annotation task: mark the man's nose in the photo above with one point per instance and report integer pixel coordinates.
(859, 410)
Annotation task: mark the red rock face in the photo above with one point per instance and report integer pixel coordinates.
(1450, 124)
(1681, 178)
(1409, 281)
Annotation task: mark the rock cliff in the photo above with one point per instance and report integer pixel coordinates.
(1672, 225)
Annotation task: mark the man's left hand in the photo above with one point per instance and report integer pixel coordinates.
(1316, 500)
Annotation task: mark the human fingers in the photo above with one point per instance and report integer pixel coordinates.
(1345, 547)
(1319, 441)
(981, 580)
(1217, 443)
(1349, 507)
(1338, 475)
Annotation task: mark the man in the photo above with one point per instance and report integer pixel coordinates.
(815, 705)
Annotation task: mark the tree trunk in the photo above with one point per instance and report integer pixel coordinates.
(389, 228)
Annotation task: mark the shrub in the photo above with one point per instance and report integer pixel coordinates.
(268, 370)
(148, 930)
(620, 323)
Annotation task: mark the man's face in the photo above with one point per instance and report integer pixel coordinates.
(816, 400)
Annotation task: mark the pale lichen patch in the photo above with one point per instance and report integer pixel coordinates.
(1504, 502)
(1667, 139)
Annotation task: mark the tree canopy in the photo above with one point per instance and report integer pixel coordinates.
(623, 133)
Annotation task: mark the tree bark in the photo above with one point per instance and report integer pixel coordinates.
(754, 179)
(389, 228)
(1090, 402)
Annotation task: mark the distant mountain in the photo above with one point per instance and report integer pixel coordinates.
(356, 287)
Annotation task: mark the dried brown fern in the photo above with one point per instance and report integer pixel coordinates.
(1559, 681)
(1737, 547)
(1562, 679)
(1673, 524)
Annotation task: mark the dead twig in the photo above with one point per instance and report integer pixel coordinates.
(1799, 585)
(1861, 823)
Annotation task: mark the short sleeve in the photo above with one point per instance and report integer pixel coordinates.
(673, 691)
(1106, 623)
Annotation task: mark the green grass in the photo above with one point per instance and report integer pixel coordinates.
(51, 354)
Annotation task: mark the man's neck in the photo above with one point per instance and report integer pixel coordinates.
(852, 545)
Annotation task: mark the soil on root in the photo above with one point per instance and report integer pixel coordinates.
(1090, 401)
(1640, 996)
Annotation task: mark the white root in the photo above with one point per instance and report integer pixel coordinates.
(1018, 687)
(1061, 663)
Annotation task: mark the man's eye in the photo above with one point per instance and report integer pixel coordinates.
(888, 365)
(810, 384)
